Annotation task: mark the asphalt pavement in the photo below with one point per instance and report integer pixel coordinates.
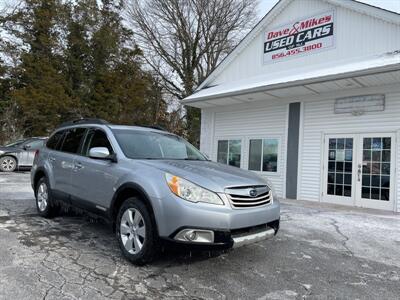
(321, 252)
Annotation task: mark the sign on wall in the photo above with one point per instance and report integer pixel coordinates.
(301, 37)
(358, 105)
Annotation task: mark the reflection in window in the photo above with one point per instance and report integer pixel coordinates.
(376, 168)
(263, 155)
(340, 166)
(229, 152)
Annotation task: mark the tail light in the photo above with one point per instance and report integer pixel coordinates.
(36, 155)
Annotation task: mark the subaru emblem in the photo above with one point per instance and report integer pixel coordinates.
(253, 193)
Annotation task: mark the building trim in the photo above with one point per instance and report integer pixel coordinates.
(292, 152)
(393, 65)
(300, 152)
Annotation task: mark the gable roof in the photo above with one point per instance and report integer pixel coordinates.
(360, 7)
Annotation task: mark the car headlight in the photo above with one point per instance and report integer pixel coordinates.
(190, 191)
(271, 187)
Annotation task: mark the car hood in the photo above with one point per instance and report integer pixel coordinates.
(210, 175)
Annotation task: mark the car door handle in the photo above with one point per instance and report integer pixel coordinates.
(78, 166)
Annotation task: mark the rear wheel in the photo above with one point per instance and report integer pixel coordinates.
(44, 201)
(136, 232)
(8, 164)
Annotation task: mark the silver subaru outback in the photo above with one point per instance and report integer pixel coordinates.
(153, 186)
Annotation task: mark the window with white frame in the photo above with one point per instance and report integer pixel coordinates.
(229, 152)
(263, 155)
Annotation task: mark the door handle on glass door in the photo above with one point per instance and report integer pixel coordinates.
(359, 172)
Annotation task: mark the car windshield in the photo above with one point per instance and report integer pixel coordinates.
(154, 145)
(16, 144)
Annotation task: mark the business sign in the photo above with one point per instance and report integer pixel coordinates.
(358, 105)
(300, 37)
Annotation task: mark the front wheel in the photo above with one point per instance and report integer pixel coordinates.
(8, 164)
(136, 232)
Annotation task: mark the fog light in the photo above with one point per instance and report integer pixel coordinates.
(190, 235)
(195, 236)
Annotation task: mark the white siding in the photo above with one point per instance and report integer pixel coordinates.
(206, 131)
(240, 121)
(358, 36)
(319, 119)
(263, 119)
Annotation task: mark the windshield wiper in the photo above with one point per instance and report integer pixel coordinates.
(170, 158)
(187, 158)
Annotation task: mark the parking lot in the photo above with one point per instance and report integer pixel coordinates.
(321, 252)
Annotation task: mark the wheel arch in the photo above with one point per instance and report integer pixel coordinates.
(10, 154)
(40, 172)
(126, 191)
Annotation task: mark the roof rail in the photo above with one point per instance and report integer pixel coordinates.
(84, 121)
(158, 127)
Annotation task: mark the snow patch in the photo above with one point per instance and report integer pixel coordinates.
(277, 295)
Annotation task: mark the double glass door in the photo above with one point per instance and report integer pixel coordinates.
(359, 170)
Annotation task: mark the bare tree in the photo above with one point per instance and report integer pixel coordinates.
(184, 40)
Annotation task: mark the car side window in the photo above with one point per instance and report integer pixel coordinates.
(34, 145)
(54, 141)
(72, 140)
(16, 144)
(96, 138)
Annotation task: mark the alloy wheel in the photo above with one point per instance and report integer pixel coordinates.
(132, 230)
(42, 196)
(8, 164)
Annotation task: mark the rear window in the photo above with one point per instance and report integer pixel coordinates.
(72, 140)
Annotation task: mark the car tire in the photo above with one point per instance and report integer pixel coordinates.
(136, 232)
(8, 164)
(44, 200)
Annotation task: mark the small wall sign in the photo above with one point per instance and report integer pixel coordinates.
(358, 105)
(300, 37)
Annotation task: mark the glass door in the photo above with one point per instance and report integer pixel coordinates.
(359, 170)
(375, 171)
(339, 165)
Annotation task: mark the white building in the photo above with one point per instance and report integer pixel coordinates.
(311, 99)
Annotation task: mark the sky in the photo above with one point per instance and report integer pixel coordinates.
(266, 5)
(394, 5)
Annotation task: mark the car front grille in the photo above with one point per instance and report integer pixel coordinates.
(241, 197)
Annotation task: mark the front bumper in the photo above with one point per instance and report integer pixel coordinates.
(173, 213)
(253, 237)
(224, 239)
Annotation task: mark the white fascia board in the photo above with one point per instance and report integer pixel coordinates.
(383, 63)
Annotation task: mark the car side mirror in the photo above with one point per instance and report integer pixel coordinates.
(26, 147)
(102, 153)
